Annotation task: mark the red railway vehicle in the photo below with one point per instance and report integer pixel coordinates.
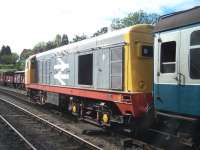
(19, 80)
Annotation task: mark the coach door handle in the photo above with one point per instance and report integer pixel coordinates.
(180, 78)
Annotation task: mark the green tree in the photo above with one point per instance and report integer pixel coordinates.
(58, 40)
(9, 59)
(101, 31)
(79, 38)
(139, 17)
(65, 40)
(20, 65)
(5, 50)
(26, 53)
(14, 58)
(50, 45)
(40, 47)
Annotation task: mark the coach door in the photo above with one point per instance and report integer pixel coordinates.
(189, 72)
(166, 70)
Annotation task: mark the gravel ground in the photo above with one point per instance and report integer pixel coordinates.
(12, 140)
(101, 139)
(42, 136)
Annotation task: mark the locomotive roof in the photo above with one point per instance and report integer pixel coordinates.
(178, 19)
(113, 37)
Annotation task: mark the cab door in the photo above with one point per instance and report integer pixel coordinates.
(102, 68)
(166, 60)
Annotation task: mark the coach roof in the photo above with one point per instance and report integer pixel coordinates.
(178, 19)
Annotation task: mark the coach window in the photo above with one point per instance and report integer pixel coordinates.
(85, 69)
(168, 57)
(195, 38)
(195, 55)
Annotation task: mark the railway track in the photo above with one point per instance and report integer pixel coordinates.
(37, 133)
(148, 141)
(124, 140)
(10, 138)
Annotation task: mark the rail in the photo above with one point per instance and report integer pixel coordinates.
(61, 130)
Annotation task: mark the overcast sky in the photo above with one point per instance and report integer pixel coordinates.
(24, 23)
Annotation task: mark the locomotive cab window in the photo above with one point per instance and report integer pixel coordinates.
(33, 63)
(168, 57)
(85, 69)
(195, 55)
(147, 51)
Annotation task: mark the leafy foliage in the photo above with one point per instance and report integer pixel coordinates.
(45, 46)
(20, 65)
(50, 45)
(65, 40)
(4, 67)
(5, 50)
(79, 38)
(139, 17)
(40, 47)
(25, 54)
(100, 32)
(58, 40)
(7, 57)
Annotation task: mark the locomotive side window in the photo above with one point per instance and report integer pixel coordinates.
(168, 57)
(195, 38)
(195, 55)
(85, 69)
(116, 64)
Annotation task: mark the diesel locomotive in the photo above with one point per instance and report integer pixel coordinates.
(104, 80)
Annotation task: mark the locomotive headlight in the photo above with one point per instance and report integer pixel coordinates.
(141, 85)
